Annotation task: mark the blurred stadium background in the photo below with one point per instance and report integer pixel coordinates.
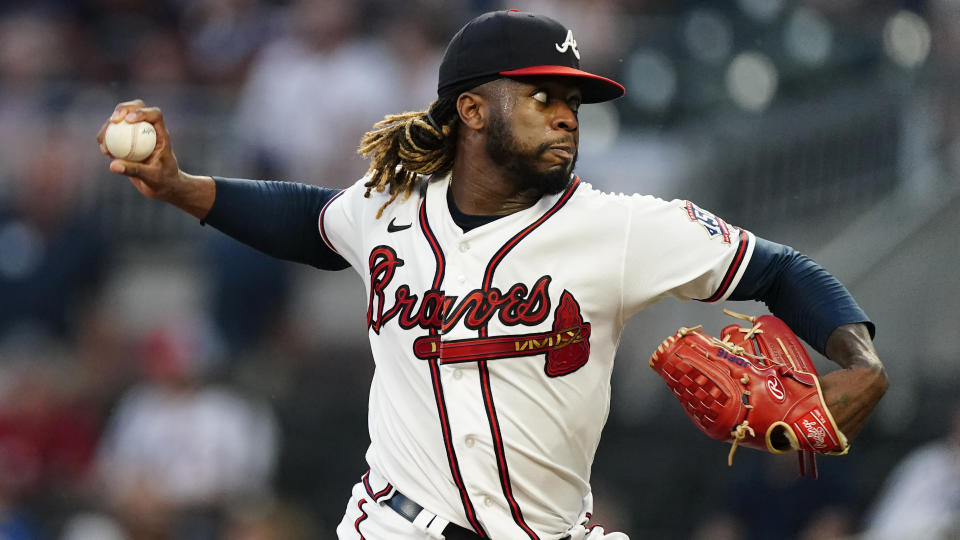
(158, 380)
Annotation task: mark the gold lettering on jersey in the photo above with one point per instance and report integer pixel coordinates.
(534, 344)
(555, 341)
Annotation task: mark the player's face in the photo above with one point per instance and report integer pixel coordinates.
(534, 133)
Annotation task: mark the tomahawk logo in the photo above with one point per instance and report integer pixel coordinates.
(568, 43)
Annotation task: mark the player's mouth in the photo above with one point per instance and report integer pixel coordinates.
(563, 151)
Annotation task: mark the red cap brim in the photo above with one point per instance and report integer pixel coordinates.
(595, 88)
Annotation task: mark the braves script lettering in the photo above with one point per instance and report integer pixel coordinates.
(436, 311)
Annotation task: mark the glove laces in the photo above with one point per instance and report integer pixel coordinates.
(739, 433)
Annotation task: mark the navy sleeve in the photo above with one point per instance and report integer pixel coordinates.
(277, 218)
(796, 289)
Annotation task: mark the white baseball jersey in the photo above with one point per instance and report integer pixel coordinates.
(494, 347)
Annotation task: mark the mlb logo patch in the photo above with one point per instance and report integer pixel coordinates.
(711, 223)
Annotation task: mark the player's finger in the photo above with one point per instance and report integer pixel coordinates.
(118, 166)
(122, 109)
(132, 168)
(146, 114)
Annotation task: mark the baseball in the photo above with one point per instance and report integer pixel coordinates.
(133, 142)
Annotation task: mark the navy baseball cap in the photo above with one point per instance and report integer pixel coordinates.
(516, 44)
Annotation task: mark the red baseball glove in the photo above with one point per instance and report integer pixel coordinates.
(754, 387)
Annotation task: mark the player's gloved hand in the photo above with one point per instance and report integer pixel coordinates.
(159, 175)
(755, 386)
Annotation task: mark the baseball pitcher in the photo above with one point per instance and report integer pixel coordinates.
(498, 284)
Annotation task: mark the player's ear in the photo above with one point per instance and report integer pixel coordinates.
(472, 109)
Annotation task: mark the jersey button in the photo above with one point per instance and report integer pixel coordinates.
(487, 501)
(464, 247)
(457, 374)
(462, 278)
(469, 440)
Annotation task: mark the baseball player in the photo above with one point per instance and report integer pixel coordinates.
(498, 284)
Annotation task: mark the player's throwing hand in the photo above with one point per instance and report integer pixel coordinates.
(159, 176)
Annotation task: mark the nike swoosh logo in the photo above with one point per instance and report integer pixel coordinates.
(393, 227)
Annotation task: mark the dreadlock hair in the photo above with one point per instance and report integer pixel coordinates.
(402, 146)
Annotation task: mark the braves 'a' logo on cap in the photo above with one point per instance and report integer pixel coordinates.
(568, 43)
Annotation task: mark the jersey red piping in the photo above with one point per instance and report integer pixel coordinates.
(323, 233)
(374, 496)
(435, 247)
(734, 268)
(452, 460)
(363, 516)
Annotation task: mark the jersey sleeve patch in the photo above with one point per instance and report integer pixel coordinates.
(714, 226)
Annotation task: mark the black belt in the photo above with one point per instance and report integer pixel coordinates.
(404, 506)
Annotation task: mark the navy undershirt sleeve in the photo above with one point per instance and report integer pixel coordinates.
(277, 218)
(796, 289)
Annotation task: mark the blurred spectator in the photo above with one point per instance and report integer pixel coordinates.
(945, 49)
(180, 451)
(118, 29)
(414, 37)
(223, 36)
(46, 438)
(53, 253)
(32, 49)
(829, 523)
(158, 59)
(47, 441)
(273, 522)
(719, 526)
(921, 497)
(92, 526)
(101, 354)
(312, 93)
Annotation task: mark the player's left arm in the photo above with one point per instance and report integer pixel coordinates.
(821, 311)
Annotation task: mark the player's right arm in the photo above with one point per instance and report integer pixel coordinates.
(277, 218)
